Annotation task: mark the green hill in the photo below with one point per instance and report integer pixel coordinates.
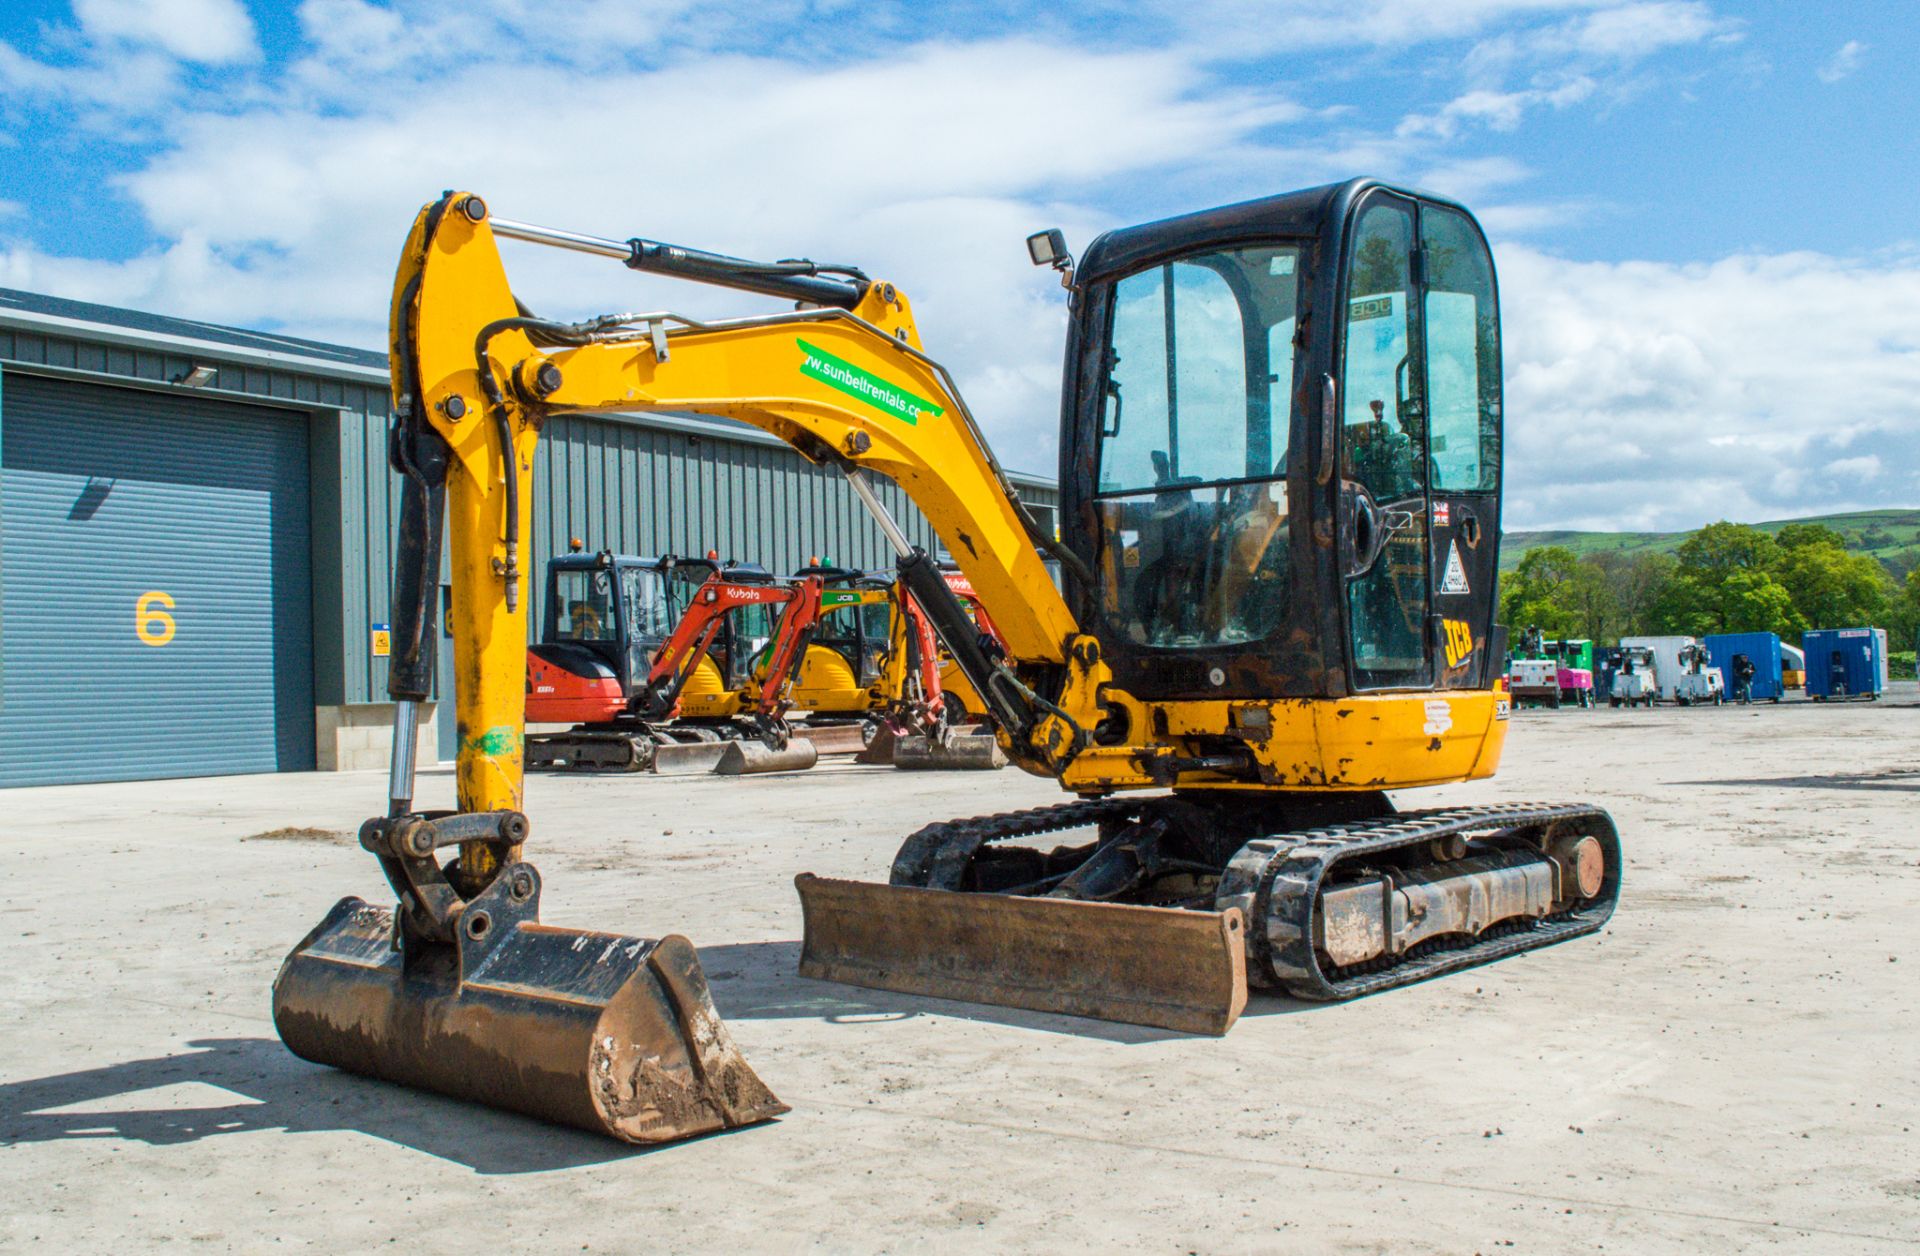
(1892, 536)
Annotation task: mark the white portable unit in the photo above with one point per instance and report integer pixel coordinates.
(1674, 679)
(1633, 683)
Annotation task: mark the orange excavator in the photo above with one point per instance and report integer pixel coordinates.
(602, 664)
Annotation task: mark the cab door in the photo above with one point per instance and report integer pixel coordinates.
(1384, 498)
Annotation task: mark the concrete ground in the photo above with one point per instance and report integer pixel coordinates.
(1734, 1064)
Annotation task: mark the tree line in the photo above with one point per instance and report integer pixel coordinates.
(1727, 577)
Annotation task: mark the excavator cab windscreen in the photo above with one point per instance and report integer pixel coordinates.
(1191, 491)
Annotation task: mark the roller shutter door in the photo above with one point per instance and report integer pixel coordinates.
(157, 618)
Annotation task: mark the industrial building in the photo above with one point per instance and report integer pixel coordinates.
(196, 524)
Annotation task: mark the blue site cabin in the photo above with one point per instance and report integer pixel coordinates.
(1842, 662)
(1762, 648)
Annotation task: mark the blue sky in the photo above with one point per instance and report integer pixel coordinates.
(1703, 212)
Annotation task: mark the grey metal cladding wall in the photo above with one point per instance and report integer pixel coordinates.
(627, 486)
(638, 489)
(369, 503)
(197, 508)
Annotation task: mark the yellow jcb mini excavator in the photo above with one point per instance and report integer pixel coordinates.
(1280, 495)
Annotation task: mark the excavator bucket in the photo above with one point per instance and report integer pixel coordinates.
(732, 758)
(608, 1033)
(1161, 966)
(751, 758)
(950, 750)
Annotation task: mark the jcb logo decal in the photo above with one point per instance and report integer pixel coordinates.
(1459, 641)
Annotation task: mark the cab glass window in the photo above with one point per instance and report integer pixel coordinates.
(1381, 410)
(1193, 448)
(1463, 354)
(583, 605)
(651, 615)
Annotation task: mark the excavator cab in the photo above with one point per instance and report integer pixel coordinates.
(607, 615)
(1281, 447)
(1280, 495)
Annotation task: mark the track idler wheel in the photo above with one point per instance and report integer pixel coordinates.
(604, 1032)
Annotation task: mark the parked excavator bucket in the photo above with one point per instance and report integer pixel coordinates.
(608, 1033)
(949, 750)
(752, 757)
(878, 749)
(1161, 966)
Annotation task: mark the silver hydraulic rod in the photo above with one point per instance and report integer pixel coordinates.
(796, 280)
(871, 500)
(621, 249)
(406, 737)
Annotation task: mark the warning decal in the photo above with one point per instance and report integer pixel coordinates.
(1454, 580)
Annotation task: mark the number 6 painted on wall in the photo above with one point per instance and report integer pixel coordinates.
(151, 623)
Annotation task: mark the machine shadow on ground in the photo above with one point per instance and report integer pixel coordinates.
(1897, 780)
(274, 1090)
(760, 981)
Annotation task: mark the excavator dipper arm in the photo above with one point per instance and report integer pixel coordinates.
(459, 988)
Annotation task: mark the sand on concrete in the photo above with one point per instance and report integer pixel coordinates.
(1734, 1064)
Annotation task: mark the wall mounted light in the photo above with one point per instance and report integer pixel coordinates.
(197, 377)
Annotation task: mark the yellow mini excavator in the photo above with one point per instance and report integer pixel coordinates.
(1280, 461)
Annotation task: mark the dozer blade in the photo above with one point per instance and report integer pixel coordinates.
(689, 758)
(835, 739)
(952, 751)
(750, 758)
(612, 1034)
(1176, 969)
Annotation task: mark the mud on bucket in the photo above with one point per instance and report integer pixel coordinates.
(601, 1031)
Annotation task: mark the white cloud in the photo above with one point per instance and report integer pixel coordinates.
(1264, 25)
(1844, 61)
(208, 32)
(282, 203)
(1644, 395)
(927, 168)
(1611, 36)
(1497, 111)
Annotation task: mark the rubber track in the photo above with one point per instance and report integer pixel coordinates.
(1276, 880)
(936, 856)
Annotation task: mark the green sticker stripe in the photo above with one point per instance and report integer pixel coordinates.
(843, 376)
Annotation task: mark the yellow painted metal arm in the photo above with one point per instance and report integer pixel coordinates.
(830, 382)
(846, 388)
